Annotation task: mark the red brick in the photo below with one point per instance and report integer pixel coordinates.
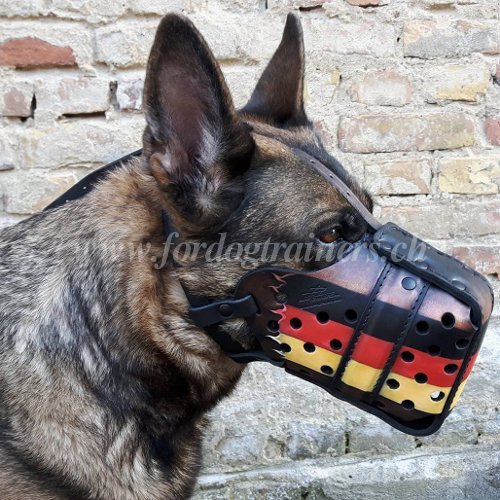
(482, 258)
(31, 52)
(493, 130)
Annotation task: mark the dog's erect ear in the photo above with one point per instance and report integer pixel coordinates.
(278, 96)
(196, 144)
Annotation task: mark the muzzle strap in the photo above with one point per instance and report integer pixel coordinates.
(399, 341)
(341, 187)
(360, 326)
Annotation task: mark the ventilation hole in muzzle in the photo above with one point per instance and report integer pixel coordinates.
(295, 323)
(421, 378)
(323, 317)
(351, 315)
(273, 326)
(392, 383)
(462, 343)
(422, 327)
(285, 347)
(327, 370)
(437, 395)
(407, 356)
(408, 404)
(451, 368)
(336, 344)
(308, 347)
(448, 320)
(434, 350)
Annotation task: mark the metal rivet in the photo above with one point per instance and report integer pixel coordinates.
(408, 283)
(281, 298)
(458, 285)
(225, 310)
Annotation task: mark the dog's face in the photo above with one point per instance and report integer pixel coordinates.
(234, 172)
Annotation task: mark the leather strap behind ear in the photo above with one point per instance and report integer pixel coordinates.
(341, 187)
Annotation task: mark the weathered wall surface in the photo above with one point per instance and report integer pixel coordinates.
(407, 93)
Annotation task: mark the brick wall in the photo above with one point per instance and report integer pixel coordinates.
(407, 94)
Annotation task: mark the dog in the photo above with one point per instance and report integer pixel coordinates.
(105, 382)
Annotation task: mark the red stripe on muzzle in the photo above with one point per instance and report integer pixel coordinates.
(369, 350)
(308, 327)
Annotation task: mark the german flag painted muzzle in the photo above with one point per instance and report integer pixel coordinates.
(394, 341)
(393, 331)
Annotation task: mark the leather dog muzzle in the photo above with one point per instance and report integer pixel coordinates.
(387, 337)
(393, 331)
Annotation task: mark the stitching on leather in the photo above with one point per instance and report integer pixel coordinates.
(396, 347)
(347, 356)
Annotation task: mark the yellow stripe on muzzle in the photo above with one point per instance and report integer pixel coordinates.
(425, 397)
(419, 394)
(313, 360)
(361, 376)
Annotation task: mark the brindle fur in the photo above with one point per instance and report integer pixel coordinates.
(104, 380)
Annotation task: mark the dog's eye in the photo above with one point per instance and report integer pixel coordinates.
(330, 236)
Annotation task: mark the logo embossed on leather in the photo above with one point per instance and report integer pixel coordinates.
(319, 295)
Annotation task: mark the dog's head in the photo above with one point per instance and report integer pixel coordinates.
(235, 173)
(255, 176)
